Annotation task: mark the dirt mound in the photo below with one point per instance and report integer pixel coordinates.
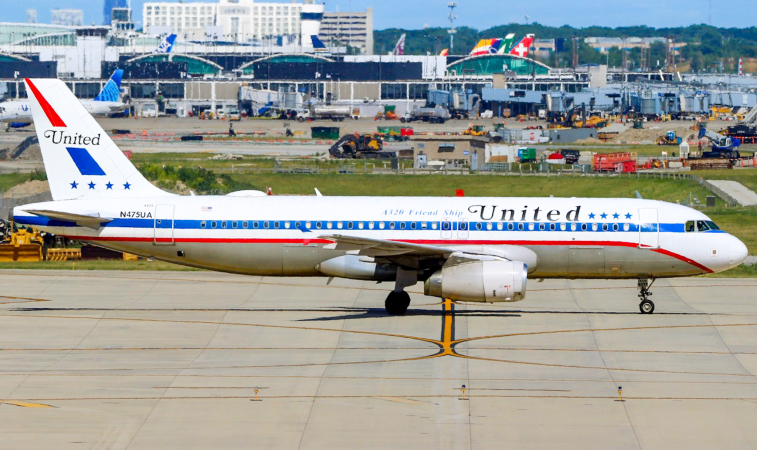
(589, 141)
(31, 187)
(648, 134)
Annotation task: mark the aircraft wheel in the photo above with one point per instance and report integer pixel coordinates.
(646, 307)
(396, 303)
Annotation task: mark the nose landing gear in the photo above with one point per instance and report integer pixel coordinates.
(646, 306)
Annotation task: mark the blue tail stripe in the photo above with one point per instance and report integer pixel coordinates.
(84, 161)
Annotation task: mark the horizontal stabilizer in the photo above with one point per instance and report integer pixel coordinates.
(93, 222)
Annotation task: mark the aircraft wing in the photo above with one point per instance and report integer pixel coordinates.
(411, 255)
(93, 221)
(380, 247)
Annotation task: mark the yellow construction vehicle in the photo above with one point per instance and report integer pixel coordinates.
(25, 245)
(475, 130)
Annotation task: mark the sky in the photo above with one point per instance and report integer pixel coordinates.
(480, 14)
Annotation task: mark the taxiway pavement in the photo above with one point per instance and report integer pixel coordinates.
(155, 360)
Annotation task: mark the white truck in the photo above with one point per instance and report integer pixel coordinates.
(336, 113)
(433, 115)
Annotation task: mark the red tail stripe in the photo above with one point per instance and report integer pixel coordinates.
(52, 116)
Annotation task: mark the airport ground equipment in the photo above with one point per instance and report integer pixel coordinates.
(526, 155)
(336, 113)
(476, 130)
(21, 245)
(669, 138)
(570, 156)
(746, 129)
(460, 104)
(621, 162)
(357, 146)
(395, 134)
(722, 146)
(331, 133)
(432, 115)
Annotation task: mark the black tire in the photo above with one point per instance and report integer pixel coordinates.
(646, 307)
(300, 119)
(396, 303)
(403, 120)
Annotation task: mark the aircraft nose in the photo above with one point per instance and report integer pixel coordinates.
(737, 251)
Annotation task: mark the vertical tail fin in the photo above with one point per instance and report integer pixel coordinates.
(80, 159)
(523, 46)
(399, 49)
(166, 45)
(318, 46)
(112, 89)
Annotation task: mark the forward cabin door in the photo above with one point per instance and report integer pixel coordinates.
(649, 229)
(164, 225)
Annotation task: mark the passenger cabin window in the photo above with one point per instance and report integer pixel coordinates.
(445, 226)
(463, 226)
(433, 225)
(202, 224)
(234, 224)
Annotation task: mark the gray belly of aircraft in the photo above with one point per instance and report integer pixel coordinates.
(300, 260)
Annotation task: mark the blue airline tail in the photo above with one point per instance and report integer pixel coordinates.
(318, 46)
(112, 89)
(166, 45)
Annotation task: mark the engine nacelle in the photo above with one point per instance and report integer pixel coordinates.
(480, 281)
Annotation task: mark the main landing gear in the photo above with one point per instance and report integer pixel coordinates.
(397, 303)
(646, 306)
(398, 300)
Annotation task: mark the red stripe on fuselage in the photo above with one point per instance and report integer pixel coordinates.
(52, 116)
(427, 242)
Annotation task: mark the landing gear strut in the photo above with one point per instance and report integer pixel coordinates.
(646, 306)
(398, 300)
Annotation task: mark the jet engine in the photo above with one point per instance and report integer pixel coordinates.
(480, 281)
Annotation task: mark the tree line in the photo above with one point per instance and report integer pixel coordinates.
(705, 48)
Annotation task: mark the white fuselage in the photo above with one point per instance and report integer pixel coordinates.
(20, 111)
(283, 235)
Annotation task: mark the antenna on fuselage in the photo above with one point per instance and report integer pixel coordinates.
(638, 195)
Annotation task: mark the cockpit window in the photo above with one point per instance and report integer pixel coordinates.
(712, 225)
(691, 226)
(702, 226)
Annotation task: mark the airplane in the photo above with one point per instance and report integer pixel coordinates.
(399, 48)
(522, 47)
(318, 45)
(18, 113)
(472, 249)
(491, 46)
(166, 45)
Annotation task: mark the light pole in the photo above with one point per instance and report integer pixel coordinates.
(452, 30)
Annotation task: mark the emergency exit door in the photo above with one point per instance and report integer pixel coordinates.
(164, 225)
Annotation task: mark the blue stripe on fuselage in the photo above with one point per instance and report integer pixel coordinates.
(258, 225)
